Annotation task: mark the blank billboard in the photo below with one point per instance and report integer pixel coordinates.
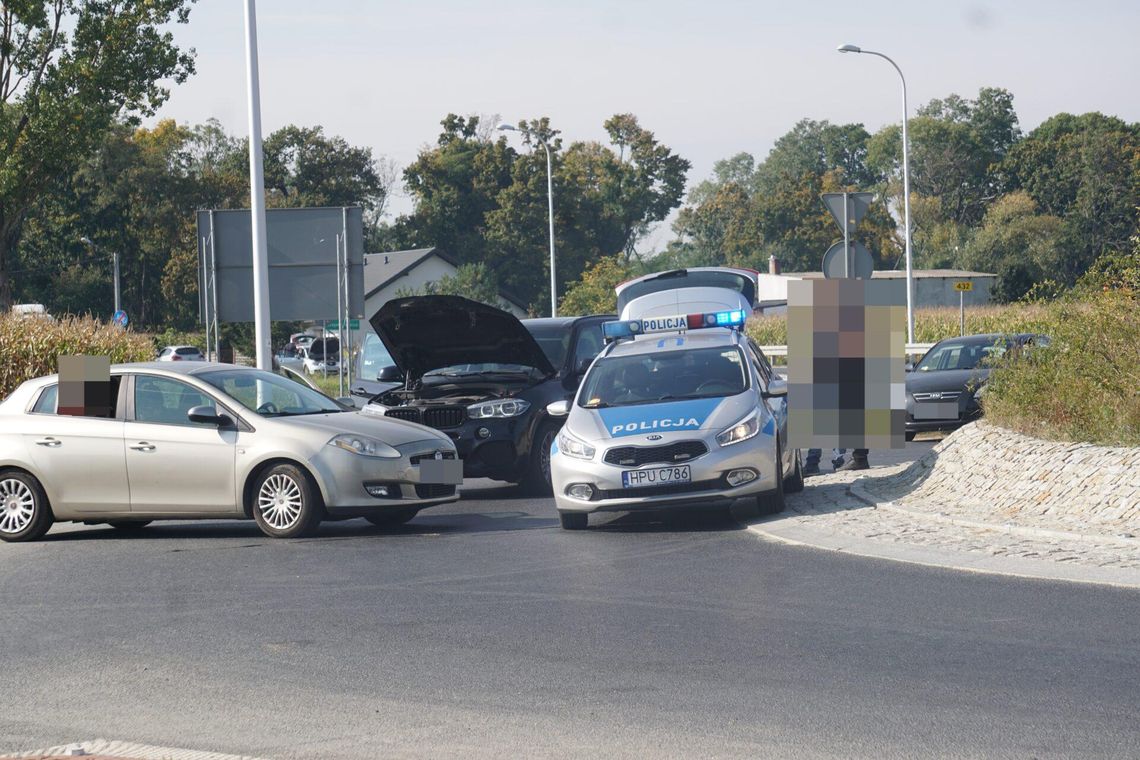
(303, 254)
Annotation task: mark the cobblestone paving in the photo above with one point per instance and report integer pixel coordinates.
(826, 504)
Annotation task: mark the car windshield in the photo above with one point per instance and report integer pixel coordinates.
(664, 376)
(962, 355)
(268, 394)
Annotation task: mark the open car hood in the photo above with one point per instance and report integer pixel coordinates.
(423, 333)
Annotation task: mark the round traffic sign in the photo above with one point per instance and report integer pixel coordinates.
(120, 318)
(834, 267)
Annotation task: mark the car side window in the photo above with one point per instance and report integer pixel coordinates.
(166, 402)
(763, 368)
(48, 402)
(590, 344)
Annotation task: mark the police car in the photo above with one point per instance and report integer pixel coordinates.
(677, 410)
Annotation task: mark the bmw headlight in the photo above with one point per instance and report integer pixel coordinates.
(501, 408)
(365, 446)
(572, 447)
(741, 431)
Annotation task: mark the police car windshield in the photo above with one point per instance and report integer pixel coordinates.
(664, 376)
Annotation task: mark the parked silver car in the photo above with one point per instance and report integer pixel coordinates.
(199, 440)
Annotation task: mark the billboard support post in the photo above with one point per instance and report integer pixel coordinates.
(261, 327)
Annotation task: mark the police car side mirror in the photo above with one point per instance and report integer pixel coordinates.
(776, 387)
(558, 408)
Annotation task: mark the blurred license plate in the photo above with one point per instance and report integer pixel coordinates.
(941, 410)
(449, 471)
(656, 476)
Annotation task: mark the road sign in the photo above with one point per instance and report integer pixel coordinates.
(964, 286)
(834, 265)
(857, 205)
(353, 324)
(120, 318)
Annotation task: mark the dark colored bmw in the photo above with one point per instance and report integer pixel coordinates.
(942, 390)
(485, 378)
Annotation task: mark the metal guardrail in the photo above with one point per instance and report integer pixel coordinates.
(911, 349)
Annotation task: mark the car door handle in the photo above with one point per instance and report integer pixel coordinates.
(143, 446)
(51, 443)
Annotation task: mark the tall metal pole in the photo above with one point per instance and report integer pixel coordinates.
(115, 258)
(906, 189)
(550, 213)
(848, 269)
(339, 324)
(261, 328)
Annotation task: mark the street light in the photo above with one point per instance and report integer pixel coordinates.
(849, 48)
(550, 214)
(115, 259)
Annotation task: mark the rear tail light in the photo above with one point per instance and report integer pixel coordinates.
(175, 358)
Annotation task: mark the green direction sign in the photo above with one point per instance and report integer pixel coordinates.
(353, 324)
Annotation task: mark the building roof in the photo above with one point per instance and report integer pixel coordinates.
(890, 274)
(382, 269)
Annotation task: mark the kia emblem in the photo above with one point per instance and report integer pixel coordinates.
(653, 437)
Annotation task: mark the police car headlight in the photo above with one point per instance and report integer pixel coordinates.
(365, 446)
(572, 447)
(506, 407)
(741, 431)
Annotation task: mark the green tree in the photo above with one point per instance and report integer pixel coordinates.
(593, 293)
(472, 281)
(1020, 245)
(68, 69)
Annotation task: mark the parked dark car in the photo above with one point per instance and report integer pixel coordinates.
(485, 378)
(942, 388)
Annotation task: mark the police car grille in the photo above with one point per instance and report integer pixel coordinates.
(416, 459)
(445, 417)
(672, 453)
(409, 413)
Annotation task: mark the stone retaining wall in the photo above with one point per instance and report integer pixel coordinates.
(1014, 478)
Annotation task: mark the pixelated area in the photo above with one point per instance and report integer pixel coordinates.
(84, 386)
(846, 364)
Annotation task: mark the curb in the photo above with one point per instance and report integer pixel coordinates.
(860, 492)
(125, 750)
(945, 559)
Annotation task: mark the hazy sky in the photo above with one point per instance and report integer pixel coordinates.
(710, 78)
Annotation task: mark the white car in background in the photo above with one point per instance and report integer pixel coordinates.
(321, 357)
(181, 354)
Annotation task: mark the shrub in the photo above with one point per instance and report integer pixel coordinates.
(30, 348)
(1085, 386)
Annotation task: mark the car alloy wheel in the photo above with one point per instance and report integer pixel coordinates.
(280, 502)
(24, 511)
(17, 506)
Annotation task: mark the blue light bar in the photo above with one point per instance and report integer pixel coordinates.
(633, 327)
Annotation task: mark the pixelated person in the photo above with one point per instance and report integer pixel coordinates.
(84, 386)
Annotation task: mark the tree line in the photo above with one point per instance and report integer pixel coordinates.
(1037, 209)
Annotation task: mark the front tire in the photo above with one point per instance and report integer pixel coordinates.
(772, 502)
(286, 503)
(24, 511)
(795, 483)
(909, 436)
(537, 479)
(574, 520)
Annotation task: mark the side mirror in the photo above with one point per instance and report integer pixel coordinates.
(208, 415)
(558, 408)
(347, 401)
(582, 366)
(389, 374)
(909, 367)
(776, 388)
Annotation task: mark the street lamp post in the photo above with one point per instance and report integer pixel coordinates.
(906, 189)
(550, 215)
(115, 268)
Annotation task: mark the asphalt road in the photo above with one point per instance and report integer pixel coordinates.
(482, 629)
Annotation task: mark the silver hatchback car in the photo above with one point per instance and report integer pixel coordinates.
(199, 440)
